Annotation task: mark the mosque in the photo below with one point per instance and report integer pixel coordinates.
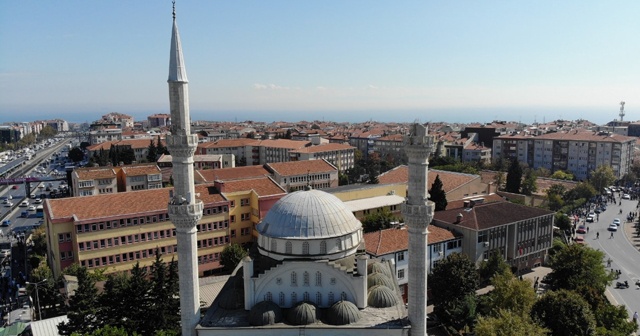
(308, 273)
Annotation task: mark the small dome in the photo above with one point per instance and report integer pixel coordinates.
(231, 299)
(381, 297)
(308, 214)
(343, 312)
(302, 313)
(379, 267)
(265, 313)
(377, 279)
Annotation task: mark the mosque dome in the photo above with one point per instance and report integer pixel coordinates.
(343, 312)
(381, 297)
(302, 313)
(377, 279)
(379, 267)
(265, 313)
(308, 214)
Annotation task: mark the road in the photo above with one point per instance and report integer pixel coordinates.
(620, 250)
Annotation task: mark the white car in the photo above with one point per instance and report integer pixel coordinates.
(612, 227)
(8, 204)
(32, 208)
(626, 196)
(24, 204)
(37, 201)
(616, 221)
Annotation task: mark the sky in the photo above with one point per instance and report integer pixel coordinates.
(347, 60)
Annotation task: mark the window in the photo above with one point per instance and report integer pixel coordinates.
(401, 274)
(305, 296)
(323, 247)
(331, 299)
(232, 218)
(318, 278)
(305, 248)
(294, 298)
(233, 233)
(400, 256)
(318, 298)
(281, 299)
(305, 279)
(288, 248)
(244, 202)
(294, 279)
(245, 231)
(232, 204)
(268, 297)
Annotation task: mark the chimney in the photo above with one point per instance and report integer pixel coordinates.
(459, 218)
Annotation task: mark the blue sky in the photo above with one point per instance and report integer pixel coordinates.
(351, 60)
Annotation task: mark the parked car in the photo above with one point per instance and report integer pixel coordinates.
(612, 227)
(591, 219)
(582, 229)
(579, 240)
(626, 196)
(6, 222)
(8, 204)
(15, 186)
(616, 221)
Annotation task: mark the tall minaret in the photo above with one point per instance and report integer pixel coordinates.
(418, 212)
(184, 210)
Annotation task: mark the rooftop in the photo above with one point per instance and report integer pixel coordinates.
(228, 174)
(394, 240)
(488, 215)
(450, 180)
(301, 167)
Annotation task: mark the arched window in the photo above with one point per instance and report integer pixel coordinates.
(323, 247)
(294, 279)
(294, 298)
(305, 296)
(288, 248)
(281, 299)
(330, 299)
(268, 297)
(343, 296)
(318, 278)
(274, 245)
(305, 248)
(318, 299)
(339, 244)
(305, 278)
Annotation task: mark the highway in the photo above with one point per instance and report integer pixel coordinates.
(620, 250)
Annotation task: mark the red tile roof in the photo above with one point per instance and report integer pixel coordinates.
(324, 148)
(227, 174)
(263, 186)
(284, 143)
(450, 180)
(301, 167)
(222, 143)
(94, 173)
(395, 240)
(484, 216)
(142, 169)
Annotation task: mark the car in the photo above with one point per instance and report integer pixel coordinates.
(8, 204)
(6, 222)
(612, 227)
(579, 240)
(24, 204)
(626, 196)
(37, 201)
(15, 186)
(10, 197)
(582, 229)
(590, 218)
(616, 221)
(5, 201)
(598, 210)
(32, 208)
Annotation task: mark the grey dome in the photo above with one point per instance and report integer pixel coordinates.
(377, 279)
(343, 312)
(302, 313)
(381, 297)
(308, 214)
(379, 267)
(265, 313)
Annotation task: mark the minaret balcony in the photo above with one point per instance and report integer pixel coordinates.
(182, 145)
(186, 215)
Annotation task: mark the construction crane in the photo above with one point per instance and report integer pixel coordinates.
(621, 110)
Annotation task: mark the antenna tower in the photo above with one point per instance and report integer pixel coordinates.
(621, 110)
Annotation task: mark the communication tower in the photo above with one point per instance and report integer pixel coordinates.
(621, 110)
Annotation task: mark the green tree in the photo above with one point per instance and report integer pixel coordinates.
(288, 134)
(509, 293)
(614, 320)
(451, 281)
(160, 147)
(514, 177)
(530, 183)
(438, 195)
(231, 256)
(377, 221)
(76, 154)
(165, 307)
(565, 313)
(112, 300)
(602, 177)
(492, 266)
(127, 155)
(47, 132)
(560, 175)
(343, 179)
(562, 221)
(508, 323)
(83, 307)
(138, 302)
(108, 331)
(583, 190)
(575, 265)
(152, 152)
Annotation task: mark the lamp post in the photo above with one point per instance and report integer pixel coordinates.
(37, 296)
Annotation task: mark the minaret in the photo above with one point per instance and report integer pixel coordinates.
(418, 212)
(184, 210)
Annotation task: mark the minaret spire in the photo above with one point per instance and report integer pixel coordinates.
(185, 211)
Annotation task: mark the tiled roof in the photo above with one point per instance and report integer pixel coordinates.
(450, 180)
(133, 143)
(484, 216)
(301, 167)
(324, 148)
(584, 136)
(109, 205)
(263, 186)
(94, 173)
(395, 240)
(459, 204)
(143, 169)
(227, 174)
(284, 143)
(230, 143)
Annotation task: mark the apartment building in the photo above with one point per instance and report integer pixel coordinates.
(476, 152)
(296, 175)
(522, 235)
(139, 177)
(105, 134)
(342, 156)
(203, 161)
(94, 181)
(228, 174)
(158, 120)
(245, 150)
(577, 152)
(140, 147)
(393, 245)
(279, 150)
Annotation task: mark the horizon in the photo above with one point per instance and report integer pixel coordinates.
(342, 61)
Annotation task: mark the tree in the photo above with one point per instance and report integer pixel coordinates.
(112, 300)
(509, 293)
(165, 307)
(161, 148)
(508, 323)
(583, 190)
(530, 183)
(377, 221)
(562, 221)
(602, 177)
(108, 331)
(514, 177)
(493, 266)
(152, 152)
(231, 256)
(451, 281)
(565, 313)
(288, 134)
(438, 196)
(47, 132)
(76, 154)
(343, 179)
(614, 320)
(576, 265)
(560, 175)
(498, 179)
(138, 303)
(83, 307)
